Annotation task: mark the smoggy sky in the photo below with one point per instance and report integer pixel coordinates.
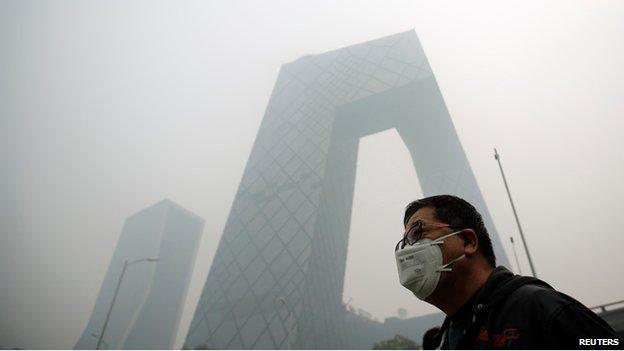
(107, 107)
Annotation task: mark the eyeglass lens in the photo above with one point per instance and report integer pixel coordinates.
(414, 233)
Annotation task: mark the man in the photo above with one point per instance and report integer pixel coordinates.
(446, 259)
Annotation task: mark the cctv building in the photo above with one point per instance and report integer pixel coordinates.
(147, 311)
(277, 278)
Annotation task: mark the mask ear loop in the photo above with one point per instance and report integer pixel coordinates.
(440, 241)
(444, 267)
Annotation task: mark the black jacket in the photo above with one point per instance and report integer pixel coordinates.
(517, 312)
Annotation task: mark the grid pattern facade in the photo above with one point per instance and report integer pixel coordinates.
(277, 278)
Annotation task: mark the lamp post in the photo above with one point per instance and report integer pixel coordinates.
(103, 342)
(110, 308)
(526, 248)
(283, 301)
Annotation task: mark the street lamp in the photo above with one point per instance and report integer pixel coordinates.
(103, 342)
(526, 248)
(290, 317)
(110, 308)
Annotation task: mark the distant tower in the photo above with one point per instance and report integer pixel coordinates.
(278, 274)
(147, 312)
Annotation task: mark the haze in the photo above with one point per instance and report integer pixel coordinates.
(107, 107)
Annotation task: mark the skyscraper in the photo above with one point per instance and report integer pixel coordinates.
(278, 274)
(147, 311)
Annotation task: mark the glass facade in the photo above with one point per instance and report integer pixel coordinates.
(148, 308)
(278, 274)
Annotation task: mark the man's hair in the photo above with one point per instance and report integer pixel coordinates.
(457, 213)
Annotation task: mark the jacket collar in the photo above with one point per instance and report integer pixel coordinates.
(500, 284)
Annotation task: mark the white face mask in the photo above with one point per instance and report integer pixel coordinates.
(420, 265)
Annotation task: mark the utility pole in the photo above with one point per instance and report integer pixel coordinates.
(526, 248)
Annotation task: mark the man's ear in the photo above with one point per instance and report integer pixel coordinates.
(471, 243)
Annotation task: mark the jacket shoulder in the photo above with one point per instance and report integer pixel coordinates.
(543, 297)
(562, 319)
(541, 302)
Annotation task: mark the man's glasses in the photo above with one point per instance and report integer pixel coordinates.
(415, 232)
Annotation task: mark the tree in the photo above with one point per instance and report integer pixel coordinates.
(397, 343)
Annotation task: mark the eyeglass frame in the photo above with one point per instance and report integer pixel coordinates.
(419, 224)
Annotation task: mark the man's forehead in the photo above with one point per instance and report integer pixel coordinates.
(426, 214)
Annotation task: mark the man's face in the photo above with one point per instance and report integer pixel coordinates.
(452, 247)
